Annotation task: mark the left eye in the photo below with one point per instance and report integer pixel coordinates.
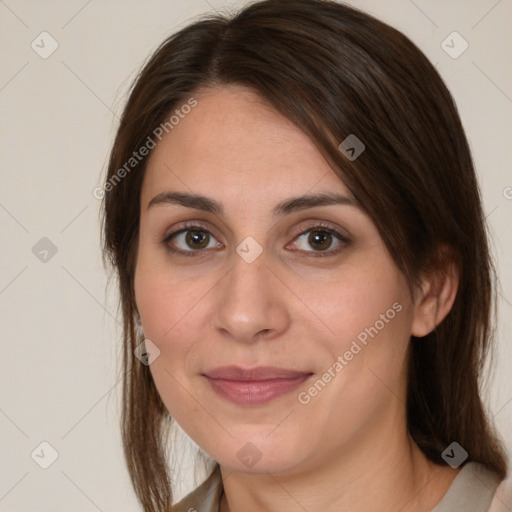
(321, 239)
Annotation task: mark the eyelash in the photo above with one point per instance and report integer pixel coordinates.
(319, 226)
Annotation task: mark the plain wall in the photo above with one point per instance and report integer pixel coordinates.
(60, 329)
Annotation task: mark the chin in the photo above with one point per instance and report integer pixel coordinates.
(256, 451)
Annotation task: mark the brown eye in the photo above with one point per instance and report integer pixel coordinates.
(190, 241)
(320, 239)
(197, 239)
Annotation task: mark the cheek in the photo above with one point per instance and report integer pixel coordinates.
(369, 315)
(368, 300)
(171, 309)
(165, 312)
(160, 299)
(163, 306)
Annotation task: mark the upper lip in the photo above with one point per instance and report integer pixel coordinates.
(258, 373)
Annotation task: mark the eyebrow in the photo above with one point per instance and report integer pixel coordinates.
(199, 202)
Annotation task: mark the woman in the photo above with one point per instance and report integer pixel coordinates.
(292, 211)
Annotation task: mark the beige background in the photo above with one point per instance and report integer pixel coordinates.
(58, 116)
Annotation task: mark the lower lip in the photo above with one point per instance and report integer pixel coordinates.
(254, 392)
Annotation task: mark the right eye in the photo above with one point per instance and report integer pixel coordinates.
(190, 240)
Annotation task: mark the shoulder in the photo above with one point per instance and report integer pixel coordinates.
(475, 489)
(205, 498)
(502, 499)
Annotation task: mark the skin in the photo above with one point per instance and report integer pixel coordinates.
(348, 448)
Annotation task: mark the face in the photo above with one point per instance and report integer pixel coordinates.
(308, 289)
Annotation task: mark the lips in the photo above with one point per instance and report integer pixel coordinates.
(259, 373)
(255, 385)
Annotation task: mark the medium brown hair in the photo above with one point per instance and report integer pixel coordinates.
(333, 71)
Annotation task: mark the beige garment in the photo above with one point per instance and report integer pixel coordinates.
(502, 500)
(205, 498)
(472, 490)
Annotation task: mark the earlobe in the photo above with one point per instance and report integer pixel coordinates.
(434, 302)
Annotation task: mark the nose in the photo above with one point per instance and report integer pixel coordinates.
(250, 302)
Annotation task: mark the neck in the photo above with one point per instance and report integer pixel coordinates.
(387, 475)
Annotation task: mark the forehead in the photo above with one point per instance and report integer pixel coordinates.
(236, 146)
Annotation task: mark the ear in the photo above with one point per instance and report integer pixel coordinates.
(435, 297)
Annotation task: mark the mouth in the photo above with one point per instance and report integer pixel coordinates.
(254, 386)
